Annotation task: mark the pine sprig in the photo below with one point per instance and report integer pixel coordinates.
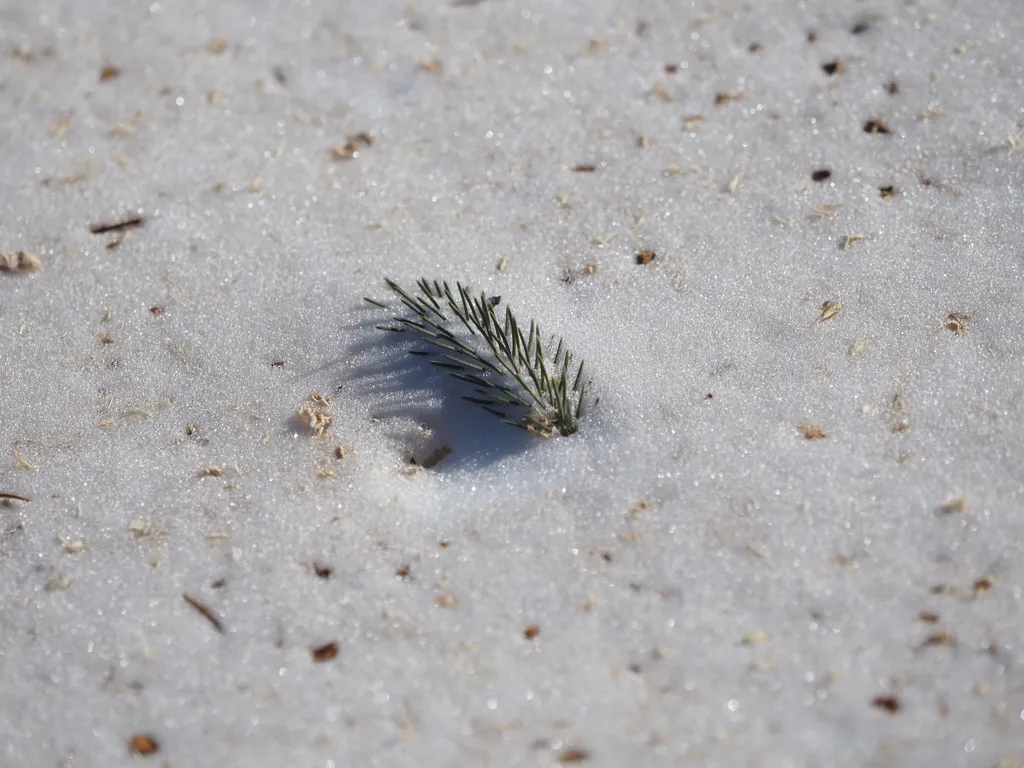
(507, 367)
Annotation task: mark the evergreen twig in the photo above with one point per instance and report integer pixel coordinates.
(509, 370)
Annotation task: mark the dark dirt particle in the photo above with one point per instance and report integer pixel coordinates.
(754, 47)
(584, 168)
(928, 617)
(403, 572)
(645, 257)
(860, 27)
(981, 586)
(280, 75)
(887, 703)
(892, 88)
(106, 338)
(876, 126)
(822, 174)
(143, 745)
(671, 69)
(322, 570)
(832, 67)
(573, 755)
(109, 72)
(219, 583)
(531, 632)
(324, 652)
(156, 309)
(812, 36)
(277, 364)
(888, 192)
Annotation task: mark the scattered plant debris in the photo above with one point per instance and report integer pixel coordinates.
(829, 309)
(849, 239)
(143, 745)
(957, 322)
(13, 497)
(573, 755)
(955, 506)
(692, 121)
(939, 638)
(812, 432)
(757, 637)
(512, 375)
(325, 652)
(353, 143)
(205, 611)
(315, 414)
(22, 261)
(724, 97)
(132, 222)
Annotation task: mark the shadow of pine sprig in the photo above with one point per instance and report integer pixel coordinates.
(510, 372)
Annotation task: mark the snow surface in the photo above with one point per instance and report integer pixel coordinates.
(688, 580)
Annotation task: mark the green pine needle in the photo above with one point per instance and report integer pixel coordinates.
(509, 369)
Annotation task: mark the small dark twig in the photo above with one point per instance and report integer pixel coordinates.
(118, 226)
(206, 612)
